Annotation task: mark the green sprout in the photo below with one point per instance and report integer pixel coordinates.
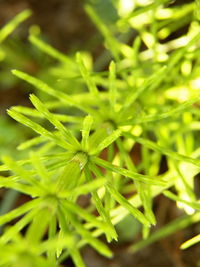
(88, 125)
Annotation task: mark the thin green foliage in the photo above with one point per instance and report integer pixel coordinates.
(13, 24)
(103, 135)
(168, 229)
(191, 242)
(46, 48)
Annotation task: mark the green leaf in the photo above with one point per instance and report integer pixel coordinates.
(95, 243)
(13, 24)
(69, 179)
(86, 76)
(173, 112)
(11, 183)
(99, 135)
(145, 9)
(40, 168)
(133, 175)
(32, 142)
(143, 190)
(49, 50)
(149, 83)
(38, 226)
(107, 141)
(110, 233)
(39, 129)
(197, 9)
(167, 230)
(194, 205)
(123, 202)
(76, 257)
(163, 150)
(111, 42)
(73, 251)
(66, 134)
(22, 173)
(17, 227)
(64, 98)
(19, 211)
(112, 85)
(84, 189)
(51, 253)
(84, 214)
(87, 124)
(191, 242)
(34, 113)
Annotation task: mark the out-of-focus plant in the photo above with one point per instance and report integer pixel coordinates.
(87, 130)
(8, 132)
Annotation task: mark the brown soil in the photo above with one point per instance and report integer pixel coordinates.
(67, 26)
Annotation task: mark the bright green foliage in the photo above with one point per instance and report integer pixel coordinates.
(12, 25)
(86, 135)
(168, 229)
(197, 9)
(191, 242)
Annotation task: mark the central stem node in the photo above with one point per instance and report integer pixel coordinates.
(81, 158)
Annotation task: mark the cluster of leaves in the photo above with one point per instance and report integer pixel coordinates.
(87, 135)
(6, 61)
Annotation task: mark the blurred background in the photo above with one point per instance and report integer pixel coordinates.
(65, 25)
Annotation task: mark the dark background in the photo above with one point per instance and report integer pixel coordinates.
(68, 28)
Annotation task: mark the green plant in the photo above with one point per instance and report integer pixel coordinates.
(87, 135)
